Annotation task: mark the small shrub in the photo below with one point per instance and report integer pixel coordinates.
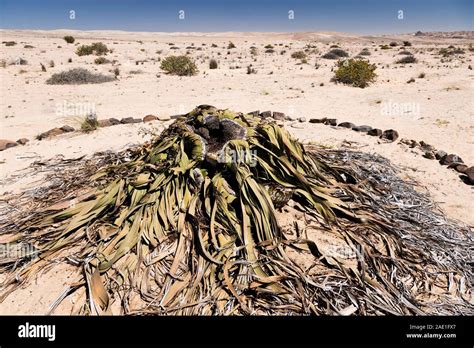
(230, 45)
(330, 55)
(84, 50)
(97, 48)
(116, 72)
(364, 52)
(90, 123)
(411, 80)
(406, 43)
(385, 47)
(340, 53)
(43, 68)
(405, 53)
(69, 39)
(270, 50)
(406, 60)
(268, 46)
(101, 60)
(179, 65)
(3, 63)
(298, 55)
(422, 75)
(458, 51)
(28, 46)
(19, 61)
(69, 60)
(335, 54)
(9, 43)
(77, 76)
(393, 44)
(51, 63)
(253, 51)
(213, 45)
(212, 64)
(250, 70)
(357, 73)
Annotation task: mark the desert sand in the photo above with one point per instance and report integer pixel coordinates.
(437, 109)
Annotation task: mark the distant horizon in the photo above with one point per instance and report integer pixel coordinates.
(363, 17)
(236, 31)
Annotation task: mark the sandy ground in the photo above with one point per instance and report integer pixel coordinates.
(437, 109)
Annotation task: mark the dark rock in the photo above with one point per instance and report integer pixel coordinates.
(22, 141)
(389, 134)
(266, 114)
(331, 122)
(318, 120)
(114, 121)
(105, 123)
(302, 119)
(376, 132)
(364, 129)
(67, 129)
(470, 174)
(459, 167)
(279, 116)
(427, 147)
(346, 125)
(51, 133)
(6, 144)
(149, 118)
(204, 133)
(440, 154)
(449, 159)
(212, 122)
(128, 120)
(429, 154)
(254, 113)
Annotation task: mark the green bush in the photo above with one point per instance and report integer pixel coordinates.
(97, 48)
(69, 39)
(212, 64)
(179, 65)
(357, 73)
(406, 43)
(406, 60)
(84, 50)
(89, 123)
(298, 55)
(231, 45)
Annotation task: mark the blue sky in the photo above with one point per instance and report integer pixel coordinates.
(356, 16)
